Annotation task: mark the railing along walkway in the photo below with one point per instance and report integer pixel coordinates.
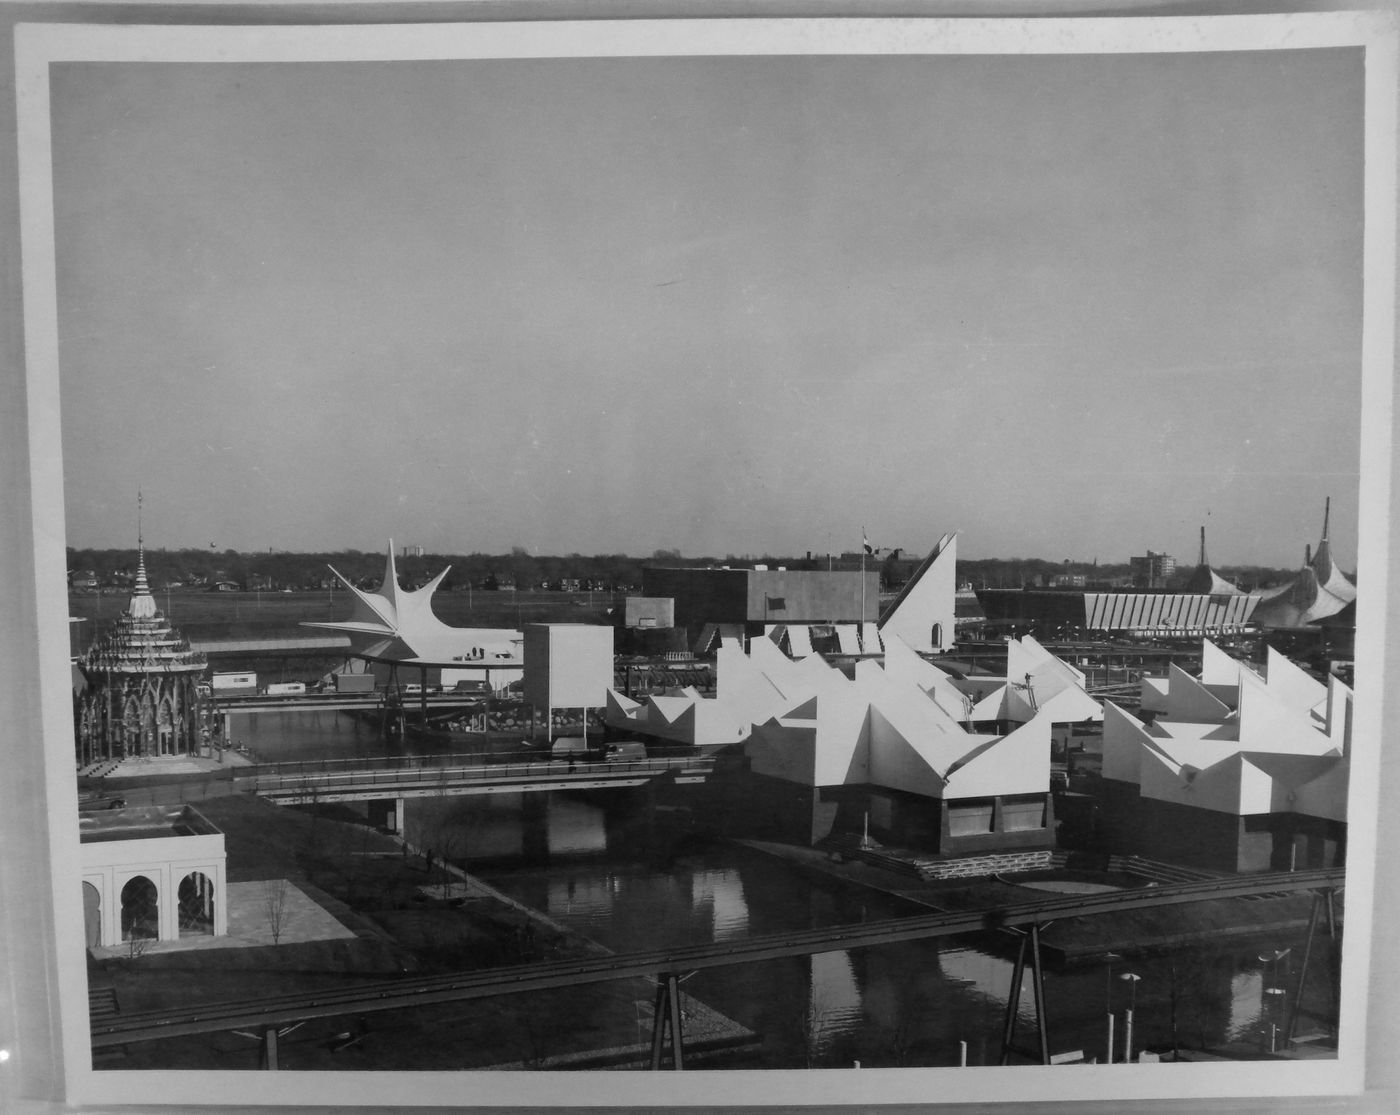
(428, 772)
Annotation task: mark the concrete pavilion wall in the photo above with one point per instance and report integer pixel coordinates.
(812, 596)
(766, 808)
(1130, 824)
(770, 808)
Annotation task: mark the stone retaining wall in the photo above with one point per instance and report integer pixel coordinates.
(975, 866)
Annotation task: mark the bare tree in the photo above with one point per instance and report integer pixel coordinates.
(445, 841)
(136, 945)
(275, 907)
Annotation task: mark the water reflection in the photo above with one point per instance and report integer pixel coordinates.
(722, 890)
(283, 737)
(597, 865)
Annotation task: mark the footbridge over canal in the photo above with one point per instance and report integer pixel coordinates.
(398, 777)
(669, 966)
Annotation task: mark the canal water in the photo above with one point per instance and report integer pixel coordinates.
(603, 869)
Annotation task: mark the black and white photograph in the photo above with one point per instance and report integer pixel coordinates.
(702, 561)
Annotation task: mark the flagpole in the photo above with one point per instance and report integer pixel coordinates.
(863, 544)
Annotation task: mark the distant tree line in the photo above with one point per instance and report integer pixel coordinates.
(1040, 573)
(196, 569)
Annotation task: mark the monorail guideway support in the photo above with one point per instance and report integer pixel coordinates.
(1030, 942)
(666, 1015)
(1322, 899)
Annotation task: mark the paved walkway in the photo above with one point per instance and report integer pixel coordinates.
(250, 922)
(174, 765)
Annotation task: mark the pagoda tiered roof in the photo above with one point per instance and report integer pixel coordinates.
(141, 640)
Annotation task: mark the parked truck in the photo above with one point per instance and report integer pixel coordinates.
(226, 685)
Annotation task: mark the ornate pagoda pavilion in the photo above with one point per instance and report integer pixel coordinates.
(141, 697)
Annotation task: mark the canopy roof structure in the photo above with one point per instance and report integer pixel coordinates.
(395, 624)
(1206, 580)
(1319, 590)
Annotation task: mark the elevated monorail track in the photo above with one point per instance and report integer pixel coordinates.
(665, 965)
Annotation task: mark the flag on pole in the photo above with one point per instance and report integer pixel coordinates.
(869, 549)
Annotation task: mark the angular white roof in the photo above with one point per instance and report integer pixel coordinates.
(398, 625)
(1276, 743)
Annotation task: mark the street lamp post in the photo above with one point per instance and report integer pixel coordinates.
(1111, 958)
(1133, 979)
(1273, 1003)
(1275, 1013)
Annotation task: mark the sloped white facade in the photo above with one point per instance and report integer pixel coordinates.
(1236, 742)
(763, 683)
(922, 615)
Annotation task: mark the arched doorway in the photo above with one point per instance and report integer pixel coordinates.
(196, 905)
(140, 909)
(936, 636)
(165, 727)
(92, 915)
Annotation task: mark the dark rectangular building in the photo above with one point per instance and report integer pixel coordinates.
(754, 597)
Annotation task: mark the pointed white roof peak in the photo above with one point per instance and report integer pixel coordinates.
(393, 612)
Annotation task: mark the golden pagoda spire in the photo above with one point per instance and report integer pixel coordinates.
(143, 604)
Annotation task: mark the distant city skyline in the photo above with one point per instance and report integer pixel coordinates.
(1072, 307)
(1183, 560)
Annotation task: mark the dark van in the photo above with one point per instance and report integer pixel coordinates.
(625, 752)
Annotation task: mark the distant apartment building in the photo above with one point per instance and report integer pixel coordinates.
(1152, 570)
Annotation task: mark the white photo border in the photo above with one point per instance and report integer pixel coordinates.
(39, 45)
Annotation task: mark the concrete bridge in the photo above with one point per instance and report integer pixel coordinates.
(392, 779)
(341, 702)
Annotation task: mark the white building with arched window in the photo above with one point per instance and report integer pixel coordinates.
(154, 873)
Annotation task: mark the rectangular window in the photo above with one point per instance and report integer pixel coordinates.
(1022, 813)
(971, 817)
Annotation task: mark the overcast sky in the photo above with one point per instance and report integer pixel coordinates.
(1073, 307)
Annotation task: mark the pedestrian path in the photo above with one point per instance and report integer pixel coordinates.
(255, 909)
(186, 765)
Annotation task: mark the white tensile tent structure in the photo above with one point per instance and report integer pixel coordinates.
(1319, 590)
(397, 625)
